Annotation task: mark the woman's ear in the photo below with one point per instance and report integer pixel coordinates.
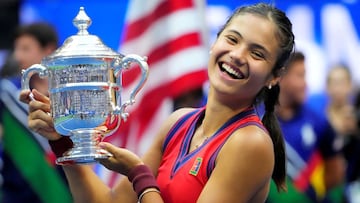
(276, 78)
(281, 72)
(275, 81)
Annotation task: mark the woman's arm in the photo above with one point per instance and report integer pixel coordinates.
(84, 184)
(243, 169)
(124, 161)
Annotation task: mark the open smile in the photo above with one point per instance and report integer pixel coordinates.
(231, 71)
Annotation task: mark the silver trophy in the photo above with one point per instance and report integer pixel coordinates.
(85, 91)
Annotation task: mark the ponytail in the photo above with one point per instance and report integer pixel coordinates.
(272, 125)
(286, 40)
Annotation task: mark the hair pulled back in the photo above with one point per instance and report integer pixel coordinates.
(270, 96)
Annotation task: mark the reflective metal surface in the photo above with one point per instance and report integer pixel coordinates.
(85, 90)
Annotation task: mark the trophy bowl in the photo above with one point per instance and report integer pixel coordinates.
(85, 91)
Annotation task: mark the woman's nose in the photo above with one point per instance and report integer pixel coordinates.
(238, 55)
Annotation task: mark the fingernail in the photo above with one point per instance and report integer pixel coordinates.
(102, 145)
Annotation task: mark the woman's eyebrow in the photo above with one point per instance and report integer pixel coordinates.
(252, 45)
(236, 33)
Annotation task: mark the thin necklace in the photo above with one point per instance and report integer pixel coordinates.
(204, 139)
(200, 144)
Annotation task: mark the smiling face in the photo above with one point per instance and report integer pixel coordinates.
(243, 56)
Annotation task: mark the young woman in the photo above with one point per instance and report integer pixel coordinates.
(222, 152)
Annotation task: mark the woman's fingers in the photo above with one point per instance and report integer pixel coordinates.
(43, 127)
(24, 96)
(122, 160)
(110, 148)
(36, 105)
(40, 97)
(39, 119)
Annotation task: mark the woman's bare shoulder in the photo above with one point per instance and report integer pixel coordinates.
(176, 115)
(251, 138)
(251, 142)
(245, 164)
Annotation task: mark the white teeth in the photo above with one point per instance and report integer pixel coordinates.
(228, 69)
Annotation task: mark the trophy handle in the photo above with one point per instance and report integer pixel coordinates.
(125, 62)
(27, 73)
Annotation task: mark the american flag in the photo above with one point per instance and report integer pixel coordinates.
(170, 33)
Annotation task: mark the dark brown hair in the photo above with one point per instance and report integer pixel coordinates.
(44, 33)
(270, 95)
(294, 57)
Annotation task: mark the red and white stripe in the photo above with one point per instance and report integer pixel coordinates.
(170, 33)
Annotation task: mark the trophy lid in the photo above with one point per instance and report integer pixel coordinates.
(82, 44)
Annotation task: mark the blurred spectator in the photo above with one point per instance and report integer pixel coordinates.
(28, 172)
(337, 104)
(314, 162)
(32, 44)
(351, 153)
(339, 109)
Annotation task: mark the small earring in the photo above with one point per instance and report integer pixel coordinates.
(269, 87)
(210, 52)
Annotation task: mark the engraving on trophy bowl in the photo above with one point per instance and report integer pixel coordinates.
(81, 96)
(85, 91)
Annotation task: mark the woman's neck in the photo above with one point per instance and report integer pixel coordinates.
(218, 111)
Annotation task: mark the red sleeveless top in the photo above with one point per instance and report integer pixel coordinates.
(183, 174)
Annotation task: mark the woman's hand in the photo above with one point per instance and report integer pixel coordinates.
(25, 96)
(122, 160)
(39, 119)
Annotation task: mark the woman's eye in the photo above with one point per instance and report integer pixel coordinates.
(232, 39)
(257, 54)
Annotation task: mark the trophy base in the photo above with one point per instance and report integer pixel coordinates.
(85, 149)
(77, 157)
